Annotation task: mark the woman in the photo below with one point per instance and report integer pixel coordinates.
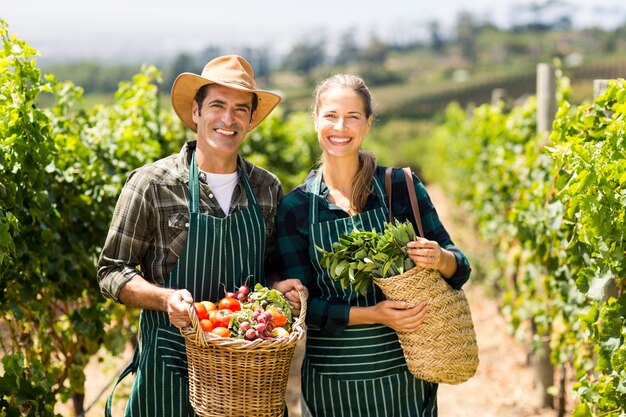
(354, 364)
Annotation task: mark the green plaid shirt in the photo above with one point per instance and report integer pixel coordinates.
(292, 234)
(149, 226)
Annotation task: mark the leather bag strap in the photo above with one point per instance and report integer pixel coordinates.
(408, 175)
(414, 206)
(388, 189)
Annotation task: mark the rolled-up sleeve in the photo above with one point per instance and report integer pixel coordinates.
(128, 237)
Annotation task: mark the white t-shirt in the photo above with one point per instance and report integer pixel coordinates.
(223, 186)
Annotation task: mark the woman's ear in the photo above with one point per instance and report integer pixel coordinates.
(370, 120)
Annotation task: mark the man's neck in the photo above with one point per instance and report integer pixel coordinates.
(216, 164)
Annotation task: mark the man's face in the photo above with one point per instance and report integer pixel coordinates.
(223, 120)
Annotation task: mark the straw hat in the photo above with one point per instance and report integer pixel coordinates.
(230, 71)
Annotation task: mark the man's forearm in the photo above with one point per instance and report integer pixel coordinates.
(142, 294)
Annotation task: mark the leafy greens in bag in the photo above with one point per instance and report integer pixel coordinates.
(361, 255)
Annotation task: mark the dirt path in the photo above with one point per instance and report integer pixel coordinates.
(503, 384)
(501, 387)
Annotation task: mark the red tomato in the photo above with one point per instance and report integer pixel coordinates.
(278, 317)
(221, 331)
(220, 318)
(201, 311)
(209, 305)
(229, 304)
(206, 325)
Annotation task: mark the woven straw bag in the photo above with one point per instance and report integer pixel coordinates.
(236, 377)
(444, 349)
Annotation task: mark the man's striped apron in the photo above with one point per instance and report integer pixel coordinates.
(361, 371)
(219, 255)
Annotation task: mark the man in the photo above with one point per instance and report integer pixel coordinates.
(191, 226)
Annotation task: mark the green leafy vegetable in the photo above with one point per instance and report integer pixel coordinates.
(360, 255)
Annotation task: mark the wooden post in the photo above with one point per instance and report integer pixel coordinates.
(546, 97)
(497, 95)
(599, 87)
(546, 110)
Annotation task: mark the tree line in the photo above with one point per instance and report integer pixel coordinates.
(471, 44)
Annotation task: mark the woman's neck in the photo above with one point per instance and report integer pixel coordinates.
(338, 174)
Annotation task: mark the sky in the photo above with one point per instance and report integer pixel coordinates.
(131, 30)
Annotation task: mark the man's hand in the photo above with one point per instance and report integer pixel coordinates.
(291, 289)
(177, 307)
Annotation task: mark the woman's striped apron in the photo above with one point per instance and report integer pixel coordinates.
(219, 255)
(362, 371)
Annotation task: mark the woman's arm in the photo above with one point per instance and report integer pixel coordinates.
(394, 314)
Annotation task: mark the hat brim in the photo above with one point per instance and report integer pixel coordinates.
(187, 84)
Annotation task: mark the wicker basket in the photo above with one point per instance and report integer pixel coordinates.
(444, 349)
(236, 377)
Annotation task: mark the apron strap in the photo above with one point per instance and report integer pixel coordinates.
(246, 183)
(131, 368)
(194, 186)
(313, 187)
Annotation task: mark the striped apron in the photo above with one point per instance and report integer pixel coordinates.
(219, 255)
(361, 371)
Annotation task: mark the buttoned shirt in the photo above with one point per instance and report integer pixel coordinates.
(149, 226)
(293, 256)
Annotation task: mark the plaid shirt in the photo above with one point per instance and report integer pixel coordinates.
(148, 230)
(292, 231)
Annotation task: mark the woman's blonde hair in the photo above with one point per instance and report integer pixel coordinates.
(362, 181)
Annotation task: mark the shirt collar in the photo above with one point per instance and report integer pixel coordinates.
(184, 159)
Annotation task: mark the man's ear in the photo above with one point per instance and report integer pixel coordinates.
(195, 112)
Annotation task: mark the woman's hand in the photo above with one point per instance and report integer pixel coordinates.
(428, 254)
(396, 315)
(425, 253)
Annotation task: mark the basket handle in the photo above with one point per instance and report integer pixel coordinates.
(304, 296)
(194, 327)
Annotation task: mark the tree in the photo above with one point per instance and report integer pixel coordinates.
(348, 48)
(375, 53)
(466, 36)
(305, 56)
(437, 44)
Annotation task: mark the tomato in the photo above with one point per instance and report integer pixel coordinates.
(229, 304)
(209, 305)
(206, 325)
(278, 317)
(201, 311)
(221, 331)
(220, 318)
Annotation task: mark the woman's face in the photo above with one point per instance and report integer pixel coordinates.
(340, 122)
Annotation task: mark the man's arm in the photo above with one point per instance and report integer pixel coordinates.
(139, 293)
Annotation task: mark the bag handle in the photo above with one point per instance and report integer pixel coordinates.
(408, 175)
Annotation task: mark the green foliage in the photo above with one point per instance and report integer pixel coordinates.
(62, 168)
(553, 209)
(360, 255)
(287, 146)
